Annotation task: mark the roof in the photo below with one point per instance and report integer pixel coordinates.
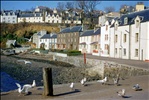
(48, 36)
(72, 29)
(97, 31)
(87, 33)
(144, 15)
(84, 43)
(91, 32)
(94, 43)
(30, 15)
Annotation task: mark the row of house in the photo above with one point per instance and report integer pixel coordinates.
(126, 37)
(38, 16)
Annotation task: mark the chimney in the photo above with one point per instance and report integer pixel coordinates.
(94, 29)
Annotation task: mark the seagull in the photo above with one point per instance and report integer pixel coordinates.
(103, 81)
(83, 81)
(136, 87)
(121, 93)
(25, 61)
(72, 86)
(116, 81)
(25, 87)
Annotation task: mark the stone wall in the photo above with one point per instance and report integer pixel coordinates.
(104, 68)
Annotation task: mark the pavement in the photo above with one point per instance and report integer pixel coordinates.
(135, 63)
(92, 91)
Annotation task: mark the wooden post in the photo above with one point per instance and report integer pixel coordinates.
(47, 80)
(84, 58)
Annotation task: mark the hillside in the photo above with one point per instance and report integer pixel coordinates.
(17, 31)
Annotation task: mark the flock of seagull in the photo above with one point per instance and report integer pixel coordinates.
(120, 93)
(25, 88)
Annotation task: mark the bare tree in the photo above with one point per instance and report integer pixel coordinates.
(88, 8)
(61, 6)
(123, 9)
(69, 5)
(109, 9)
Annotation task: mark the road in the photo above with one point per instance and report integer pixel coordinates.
(136, 63)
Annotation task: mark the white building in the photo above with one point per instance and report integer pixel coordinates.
(105, 30)
(37, 36)
(31, 17)
(102, 19)
(89, 42)
(49, 41)
(130, 36)
(53, 18)
(85, 41)
(8, 17)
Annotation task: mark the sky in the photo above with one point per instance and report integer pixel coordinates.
(27, 5)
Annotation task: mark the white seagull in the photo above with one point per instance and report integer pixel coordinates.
(26, 87)
(72, 86)
(116, 81)
(25, 61)
(136, 87)
(103, 81)
(83, 81)
(121, 93)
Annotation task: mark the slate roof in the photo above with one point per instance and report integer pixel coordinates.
(144, 15)
(48, 36)
(30, 15)
(7, 13)
(91, 32)
(88, 33)
(97, 31)
(72, 29)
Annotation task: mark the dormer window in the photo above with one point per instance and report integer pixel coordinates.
(125, 20)
(137, 22)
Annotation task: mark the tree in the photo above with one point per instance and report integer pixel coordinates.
(60, 6)
(109, 9)
(88, 8)
(69, 5)
(123, 9)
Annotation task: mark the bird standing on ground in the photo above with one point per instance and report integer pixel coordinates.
(83, 81)
(116, 81)
(26, 87)
(25, 61)
(103, 81)
(72, 86)
(136, 87)
(121, 93)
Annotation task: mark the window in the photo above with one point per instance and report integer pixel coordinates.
(124, 52)
(106, 37)
(115, 38)
(115, 50)
(106, 46)
(124, 38)
(137, 37)
(125, 20)
(136, 52)
(137, 23)
(106, 27)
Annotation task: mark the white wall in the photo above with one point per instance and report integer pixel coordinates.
(142, 44)
(86, 39)
(104, 32)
